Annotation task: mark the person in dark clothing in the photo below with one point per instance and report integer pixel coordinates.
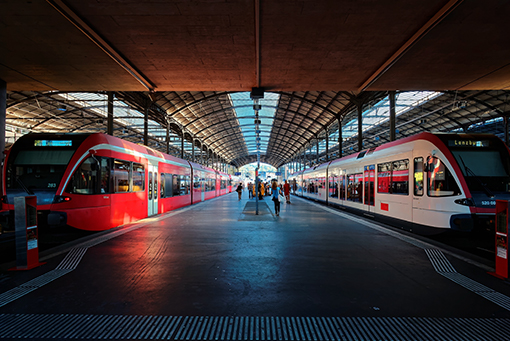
(240, 190)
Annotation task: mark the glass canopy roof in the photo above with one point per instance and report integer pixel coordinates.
(243, 106)
(380, 113)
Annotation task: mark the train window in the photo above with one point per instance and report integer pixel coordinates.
(105, 175)
(355, 187)
(121, 174)
(400, 177)
(180, 184)
(440, 180)
(322, 182)
(162, 189)
(196, 182)
(168, 185)
(384, 177)
(185, 184)
(343, 186)
(139, 178)
(84, 179)
(150, 185)
(333, 186)
(176, 185)
(369, 185)
(223, 184)
(418, 176)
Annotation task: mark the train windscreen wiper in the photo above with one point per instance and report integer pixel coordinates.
(487, 191)
(25, 188)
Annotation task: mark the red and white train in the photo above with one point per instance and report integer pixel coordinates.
(97, 182)
(427, 183)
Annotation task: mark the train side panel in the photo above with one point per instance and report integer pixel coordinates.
(175, 186)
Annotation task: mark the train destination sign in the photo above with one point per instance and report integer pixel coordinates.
(468, 143)
(53, 143)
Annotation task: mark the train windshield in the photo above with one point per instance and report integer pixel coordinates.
(38, 169)
(36, 164)
(485, 164)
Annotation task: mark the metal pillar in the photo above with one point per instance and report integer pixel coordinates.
(193, 149)
(109, 127)
(3, 114)
(505, 119)
(168, 138)
(201, 153)
(340, 139)
(146, 126)
(317, 144)
(360, 126)
(182, 143)
(327, 145)
(310, 163)
(392, 115)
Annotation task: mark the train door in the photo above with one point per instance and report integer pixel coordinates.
(419, 200)
(369, 200)
(152, 193)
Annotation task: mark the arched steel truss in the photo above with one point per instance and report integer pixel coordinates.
(209, 122)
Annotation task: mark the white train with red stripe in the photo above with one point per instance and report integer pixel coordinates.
(97, 182)
(427, 183)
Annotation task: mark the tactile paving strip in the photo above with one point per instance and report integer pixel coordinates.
(244, 328)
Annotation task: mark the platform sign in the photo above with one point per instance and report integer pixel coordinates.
(502, 211)
(237, 173)
(27, 239)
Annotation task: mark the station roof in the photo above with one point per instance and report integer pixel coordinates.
(314, 59)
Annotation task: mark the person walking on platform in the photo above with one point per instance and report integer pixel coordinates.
(261, 191)
(240, 190)
(276, 191)
(286, 191)
(250, 190)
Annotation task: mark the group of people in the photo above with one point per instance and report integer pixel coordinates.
(265, 190)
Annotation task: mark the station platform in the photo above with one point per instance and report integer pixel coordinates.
(218, 271)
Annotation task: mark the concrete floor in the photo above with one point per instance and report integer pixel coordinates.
(219, 259)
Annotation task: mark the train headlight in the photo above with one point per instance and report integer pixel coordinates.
(465, 202)
(59, 199)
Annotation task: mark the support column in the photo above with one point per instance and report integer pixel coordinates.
(182, 143)
(392, 115)
(201, 153)
(146, 126)
(109, 127)
(505, 119)
(327, 145)
(317, 144)
(3, 115)
(193, 149)
(168, 138)
(340, 139)
(360, 126)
